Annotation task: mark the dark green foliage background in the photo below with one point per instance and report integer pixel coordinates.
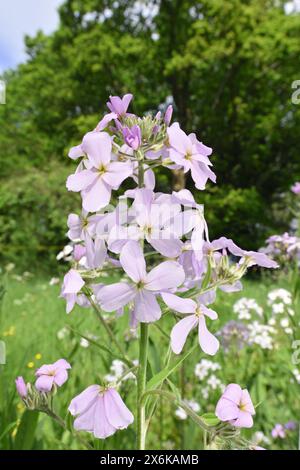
(228, 65)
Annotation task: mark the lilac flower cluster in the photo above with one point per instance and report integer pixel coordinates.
(283, 248)
(185, 269)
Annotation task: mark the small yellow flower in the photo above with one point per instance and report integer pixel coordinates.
(30, 364)
(38, 356)
(10, 332)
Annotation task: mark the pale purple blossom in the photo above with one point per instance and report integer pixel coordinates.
(71, 287)
(132, 136)
(197, 318)
(100, 411)
(21, 387)
(236, 407)
(143, 288)
(278, 431)
(119, 105)
(296, 187)
(100, 175)
(188, 152)
(168, 115)
(49, 375)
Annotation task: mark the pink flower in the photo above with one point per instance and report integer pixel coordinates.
(119, 105)
(52, 374)
(82, 225)
(132, 136)
(191, 154)
(236, 407)
(168, 115)
(254, 257)
(21, 387)
(100, 411)
(296, 188)
(208, 342)
(100, 175)
(72, 285)
(278, 431)
(143, 288)
(79, 252)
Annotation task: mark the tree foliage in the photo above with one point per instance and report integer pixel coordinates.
(227, 66)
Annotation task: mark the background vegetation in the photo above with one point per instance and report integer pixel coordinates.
(227, 67)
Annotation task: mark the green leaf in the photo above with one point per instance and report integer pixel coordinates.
(163, 374)
(26, 432)
(210, 419)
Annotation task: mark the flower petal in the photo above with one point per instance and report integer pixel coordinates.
(179, 304)
(233, 392)
(118, 415)
(84, 400)
(226, 410)
(133, 261)
(146, 307)
(44, 383)
(96, 196)
(102, 427)
(115, 296)
(98, 146)
(244, 420)
(166, 275)
(81, 180)
(208, 342)
(180, 332)
(61, 377)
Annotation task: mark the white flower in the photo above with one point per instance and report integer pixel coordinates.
(244, 308)
(117, 369)
(278, 308)
(296, 373)
(282, 295)
(53, 281)
(260, 438)
(214, 382)
(61, 334)
(261, 334)
(65, 253)
(181, 413)
(204, 366)
(284, 322)
(84, 343)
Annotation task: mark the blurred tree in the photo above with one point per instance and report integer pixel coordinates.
(227, 67)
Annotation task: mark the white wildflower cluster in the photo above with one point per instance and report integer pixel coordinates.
(207, 369)
(280, 301)
(117, 370)
(180, 413)
(279, 296)
(263, 335)
(244, 308)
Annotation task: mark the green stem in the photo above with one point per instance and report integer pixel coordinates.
(143, 352)
(141, 386)
(109, 332)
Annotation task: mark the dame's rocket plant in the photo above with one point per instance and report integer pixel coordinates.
(159, 245)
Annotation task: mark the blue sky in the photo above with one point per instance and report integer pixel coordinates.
(20, 17)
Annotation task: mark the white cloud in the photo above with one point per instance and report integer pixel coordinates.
(20, 17)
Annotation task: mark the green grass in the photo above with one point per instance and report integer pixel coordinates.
(33, 315)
